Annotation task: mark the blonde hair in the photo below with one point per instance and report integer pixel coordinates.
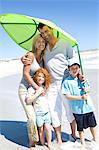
(34, 42)
(33, 45)
(47, 77)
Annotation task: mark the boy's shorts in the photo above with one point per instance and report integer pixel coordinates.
(41, 119)
(85, 120)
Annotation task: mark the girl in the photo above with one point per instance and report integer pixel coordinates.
(40, 103)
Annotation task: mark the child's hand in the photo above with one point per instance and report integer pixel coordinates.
(84, 96)
(29, 99)
(82, 78)
(43, 93)
(40, 90)
(86, 90)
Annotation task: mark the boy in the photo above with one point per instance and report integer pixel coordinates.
(80, 103)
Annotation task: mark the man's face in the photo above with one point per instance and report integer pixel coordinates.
(47, 33)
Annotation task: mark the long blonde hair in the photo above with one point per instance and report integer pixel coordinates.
(34, 50)
(34, 42)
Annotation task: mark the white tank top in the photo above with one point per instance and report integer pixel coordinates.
(34, 66)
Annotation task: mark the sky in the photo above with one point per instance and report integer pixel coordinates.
(79, 18)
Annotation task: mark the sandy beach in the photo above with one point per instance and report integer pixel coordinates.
(12, 117)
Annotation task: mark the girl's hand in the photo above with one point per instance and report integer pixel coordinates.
(43, 93)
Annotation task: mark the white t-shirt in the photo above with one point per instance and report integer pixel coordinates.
(41, 104)
(34, 67)
(56, 60)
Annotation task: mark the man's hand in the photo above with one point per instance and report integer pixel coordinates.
(25, 60)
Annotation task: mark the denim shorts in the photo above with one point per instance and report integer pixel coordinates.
(85, 120)
(41, 119)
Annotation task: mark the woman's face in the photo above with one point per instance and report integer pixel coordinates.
(40, 44)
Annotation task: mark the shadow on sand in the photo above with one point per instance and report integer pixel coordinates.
(16, 131)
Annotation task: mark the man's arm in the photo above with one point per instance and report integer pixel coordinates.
(25, 60)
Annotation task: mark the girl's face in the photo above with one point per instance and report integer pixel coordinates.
(40, 44)
(40, 79)
(74, 70)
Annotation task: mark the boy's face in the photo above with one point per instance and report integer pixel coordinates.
(74, 70)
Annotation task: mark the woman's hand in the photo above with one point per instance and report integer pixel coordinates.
(32, 97)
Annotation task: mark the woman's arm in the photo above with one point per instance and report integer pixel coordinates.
(26, 71)
(33, 97)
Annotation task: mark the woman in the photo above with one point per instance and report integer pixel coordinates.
(38, 48)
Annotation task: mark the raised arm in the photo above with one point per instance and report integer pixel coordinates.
(26, 71)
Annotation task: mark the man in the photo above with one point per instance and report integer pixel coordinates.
(56, 57)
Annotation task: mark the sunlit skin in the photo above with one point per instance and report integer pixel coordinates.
(40, 79)
(40, 44)
(74, 70)
(47, 33)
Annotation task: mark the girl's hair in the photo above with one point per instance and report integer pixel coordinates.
(46, 74)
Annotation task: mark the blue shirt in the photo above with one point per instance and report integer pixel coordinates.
(73, 86)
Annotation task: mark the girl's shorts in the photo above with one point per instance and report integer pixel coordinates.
(41, 119)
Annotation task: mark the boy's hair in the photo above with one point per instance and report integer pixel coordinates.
(74, 65)
(46, 76)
